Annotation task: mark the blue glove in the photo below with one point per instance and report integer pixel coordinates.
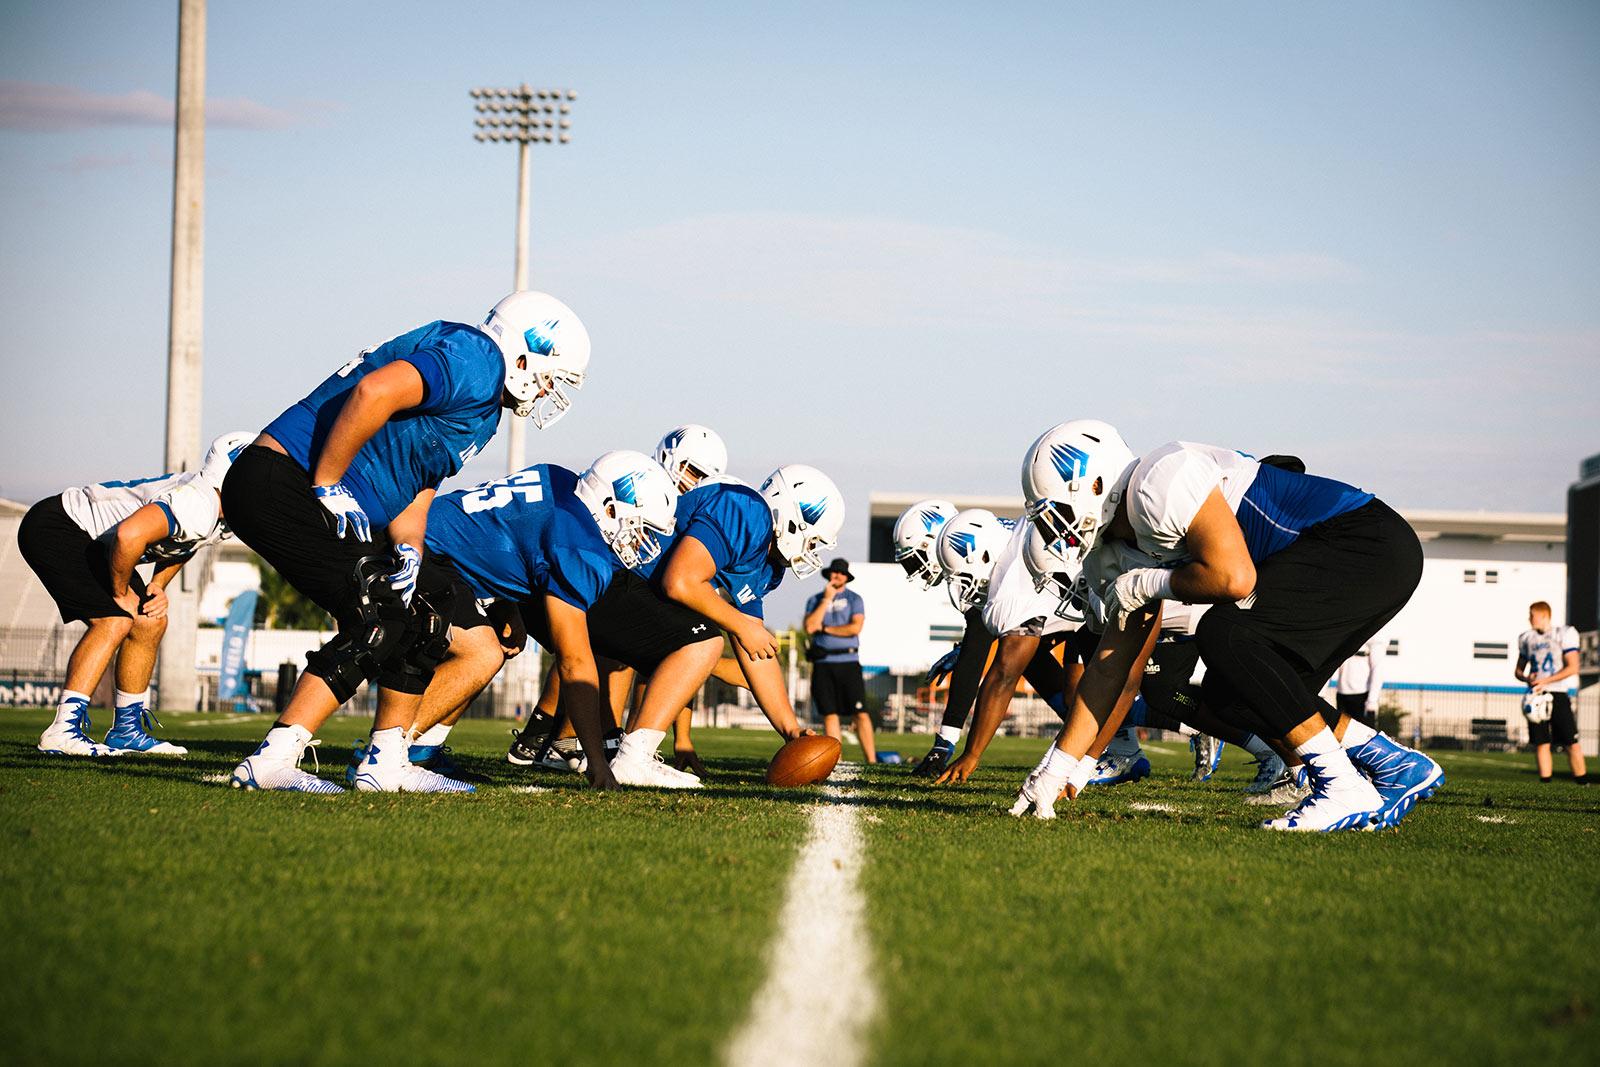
(403, 579)
(347, 513)
(943, 666)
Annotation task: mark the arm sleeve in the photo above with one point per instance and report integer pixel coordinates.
(192, 508)
(438, 383)
(1169, 494)
(967, 674)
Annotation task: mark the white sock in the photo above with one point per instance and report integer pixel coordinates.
(1323, 755)
(1258, 748)
(433, 735)
(1125, 743)
(286, 742)
(390, 746)
(1357, 734)
(641, 744)
(124, 699)
(951, 734)
(68, 705)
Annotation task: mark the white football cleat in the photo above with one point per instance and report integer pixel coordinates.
(1347, 802)
(390, 776)
(276, 766)
(68, 735)
(652, 772)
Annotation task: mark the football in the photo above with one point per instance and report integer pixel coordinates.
(804, 761)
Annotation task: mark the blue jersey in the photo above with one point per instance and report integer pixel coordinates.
(522, 536)
(463, 376)
(734, 522)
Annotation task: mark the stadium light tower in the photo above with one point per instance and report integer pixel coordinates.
(523, 116)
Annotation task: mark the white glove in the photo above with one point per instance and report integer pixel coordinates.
(347, 513)
(403, 579)
(1134, 589)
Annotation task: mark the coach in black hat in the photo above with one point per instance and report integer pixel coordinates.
(834, 618)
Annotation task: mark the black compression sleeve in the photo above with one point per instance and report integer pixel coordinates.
(968, 671)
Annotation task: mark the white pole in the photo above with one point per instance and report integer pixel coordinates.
(517, 440)
(178, 681)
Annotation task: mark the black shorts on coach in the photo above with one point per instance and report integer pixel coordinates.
(631, 624)
(74, 568)
(838, 688)
(1561, 729)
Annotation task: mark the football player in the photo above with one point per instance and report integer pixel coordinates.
(1301, 571)
(335, 494)
(88, 545)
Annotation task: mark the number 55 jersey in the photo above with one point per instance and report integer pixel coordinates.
(522, 536)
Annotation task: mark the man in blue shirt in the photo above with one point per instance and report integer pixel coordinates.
(335, 494)
(833, 619)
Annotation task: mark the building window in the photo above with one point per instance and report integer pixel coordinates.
(1394, 647)
(1469, 575)
(1491, 577)
(1491, 650)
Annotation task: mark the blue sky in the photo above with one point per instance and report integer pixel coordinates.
(895, 241)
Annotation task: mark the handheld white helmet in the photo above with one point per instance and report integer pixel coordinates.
(546, 349)
(632, 501)
(807, 515)
(969, 544)
(692, 454)
(221, 454)
(1069, 475)
(1054, 574)
(916, 538)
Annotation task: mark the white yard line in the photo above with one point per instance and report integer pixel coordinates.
(227, 720)
(819, 998)
(1455, 757)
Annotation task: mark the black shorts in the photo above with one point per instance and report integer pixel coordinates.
(74, 567)
(1319, 600)
(631, 624)
(1560, 729)
(1165, 686)
(838, 688)
(1353, 705)
(439, 572)
(269, 504)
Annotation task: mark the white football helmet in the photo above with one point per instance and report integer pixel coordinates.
(916, 539)
(692, 453)
(220, 456)
(969, 544)
(546, 349)
(632, 501)
(1054, 574)
(1069, 475)
(807, 515)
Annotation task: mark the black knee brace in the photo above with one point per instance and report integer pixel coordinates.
(427, 640)
(360, 649)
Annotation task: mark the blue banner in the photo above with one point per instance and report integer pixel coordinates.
(235, 636)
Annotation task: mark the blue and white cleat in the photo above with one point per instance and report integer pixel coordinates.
(436, 758)
(1121, 767)
(381, 774)
(130, 733)
(1207, 755)
(68, 735)
(1348, 802)
(276, 766)
(1402, 777)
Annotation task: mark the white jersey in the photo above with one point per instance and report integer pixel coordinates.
(1546, 652)
(192, 507)
(1109, 560)
(1362, 672)
(1012, 604)
(1165, 489)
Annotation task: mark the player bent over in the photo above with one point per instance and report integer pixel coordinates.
(86, 544)
(1303, 570)
(335, 493)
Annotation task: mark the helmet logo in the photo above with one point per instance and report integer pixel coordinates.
(1069, 462)
(672, 440)
(623, 489)
(931, 520)
(539, 338)
(813, 510)
(963, 542)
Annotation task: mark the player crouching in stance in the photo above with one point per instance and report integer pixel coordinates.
(86, 544)
(335, 494)
(1302, 571)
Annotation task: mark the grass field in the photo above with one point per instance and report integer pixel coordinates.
(153, 916)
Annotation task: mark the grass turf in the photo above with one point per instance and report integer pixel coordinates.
(153, 916)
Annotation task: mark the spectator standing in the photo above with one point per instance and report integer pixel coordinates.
(1359, 682)
(1547, 662)
(834, 618)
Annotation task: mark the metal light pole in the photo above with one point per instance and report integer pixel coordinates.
(177, 679)
(524, 116)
